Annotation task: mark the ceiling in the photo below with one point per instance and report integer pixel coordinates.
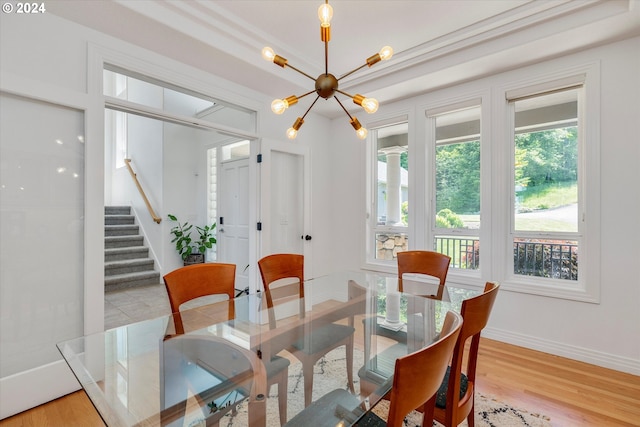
(436, 42)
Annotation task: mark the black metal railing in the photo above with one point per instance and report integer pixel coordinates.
(464, 251)
(553, 259)
(557, 259)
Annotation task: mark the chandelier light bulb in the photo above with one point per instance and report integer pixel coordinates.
(386, 53)
(292, 133)
(325, 13)
(370, 105)
(279, 105)
(362, 133)
(268, 54)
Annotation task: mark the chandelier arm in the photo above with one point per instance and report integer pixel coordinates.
(353, 71)
(301, 72)
(326, 56)
(344, 93)
(308, 93)
(345, 110)
(311, 106)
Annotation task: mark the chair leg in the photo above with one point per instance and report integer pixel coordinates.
(349, 358)
(471, 417)
(428, 412)
(307, 372)
(283, 395)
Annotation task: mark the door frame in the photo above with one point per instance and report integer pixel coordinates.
(267, 148)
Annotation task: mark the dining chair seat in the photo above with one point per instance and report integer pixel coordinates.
(321, 412)
(323, 337)
(276, 365)
(441, 396)
(384, 362)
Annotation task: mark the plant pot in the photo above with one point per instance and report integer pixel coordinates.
(194, 259)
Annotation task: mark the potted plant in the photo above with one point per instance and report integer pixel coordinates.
(192, 251)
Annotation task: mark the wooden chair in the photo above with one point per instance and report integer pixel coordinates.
(427, 263)
(416, 380)
(455, 400)
(198, 280)
(274, 268)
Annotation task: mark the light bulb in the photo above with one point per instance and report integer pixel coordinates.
(268, 54)
(362, 133)
(370, 105)
(279, 105)
(292, 133)
(325, 13)
(386, 53)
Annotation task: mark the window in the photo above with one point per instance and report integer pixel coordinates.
(116, 121)
(501, 179)
(455, 212)
(389, 223)
(545, 231)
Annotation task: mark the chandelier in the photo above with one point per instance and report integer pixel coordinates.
(326, 84)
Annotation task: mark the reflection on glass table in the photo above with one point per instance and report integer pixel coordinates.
(146, 374)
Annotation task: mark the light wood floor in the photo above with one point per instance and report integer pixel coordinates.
(571, 393)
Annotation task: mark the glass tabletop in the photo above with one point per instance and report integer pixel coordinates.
(146, 374)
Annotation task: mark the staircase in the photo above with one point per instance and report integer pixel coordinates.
(126, 259)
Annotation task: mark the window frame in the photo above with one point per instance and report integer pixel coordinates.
(431, 144)
(587, 287)
(372, 226)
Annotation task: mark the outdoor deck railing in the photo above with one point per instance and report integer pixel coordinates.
(551, 259)
(558, 260)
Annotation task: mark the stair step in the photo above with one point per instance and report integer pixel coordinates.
(111, 242)
(121, 230)
(117, 210)
(131, 280)
(119, 219)
(121, 254)
(129, 266)
(127, 262)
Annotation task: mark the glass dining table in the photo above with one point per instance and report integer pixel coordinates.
(145, 374)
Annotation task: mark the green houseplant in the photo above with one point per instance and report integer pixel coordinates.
(192, 251)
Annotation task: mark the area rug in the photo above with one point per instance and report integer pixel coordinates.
(490, 412)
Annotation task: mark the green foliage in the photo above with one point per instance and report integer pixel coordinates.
(404, 209)
(458, 177)
(446, 218)
(185, 245)
(547, 156)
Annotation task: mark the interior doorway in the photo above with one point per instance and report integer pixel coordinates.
(234, 232)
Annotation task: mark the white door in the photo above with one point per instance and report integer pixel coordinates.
(285, 213)
(233, 218)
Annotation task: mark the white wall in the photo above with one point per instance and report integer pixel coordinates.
(606, 334)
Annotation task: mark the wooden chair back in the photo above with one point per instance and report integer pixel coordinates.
(475, 312)
(417, 376)
(198, 280)
(429, 263)
(274, 268)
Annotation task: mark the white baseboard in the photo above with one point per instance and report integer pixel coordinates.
(605, 360)
(34, 387)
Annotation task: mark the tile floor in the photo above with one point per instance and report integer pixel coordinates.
(132, 305)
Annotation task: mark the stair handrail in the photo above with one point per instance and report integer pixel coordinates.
(155, 217)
